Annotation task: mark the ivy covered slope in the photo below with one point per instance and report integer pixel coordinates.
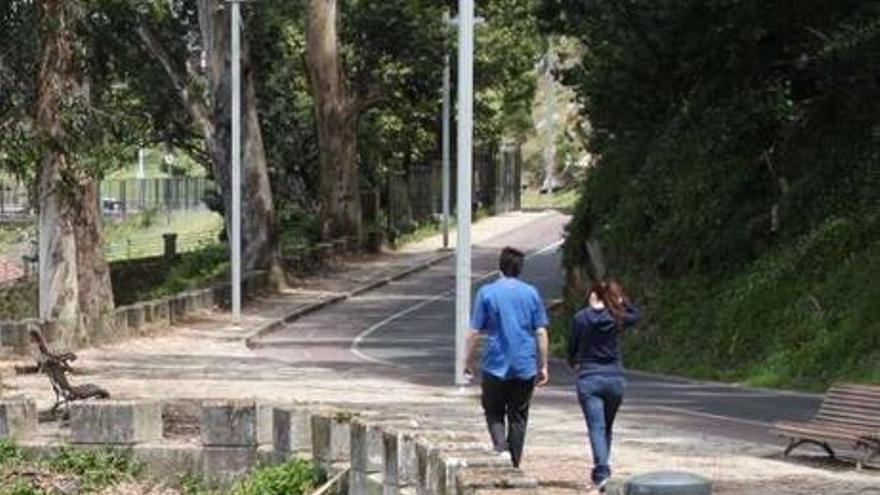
(738, 186)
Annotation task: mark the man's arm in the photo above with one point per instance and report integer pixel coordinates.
(478, 323)
(543, 349)
(470, 350)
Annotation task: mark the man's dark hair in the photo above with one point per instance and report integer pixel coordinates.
(511, 262)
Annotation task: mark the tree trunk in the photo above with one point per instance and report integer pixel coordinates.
(75, 289)
(259, 232)
(260, 248)
(93, 271)
(335, 112)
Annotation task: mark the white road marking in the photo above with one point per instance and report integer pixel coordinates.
(376, 326)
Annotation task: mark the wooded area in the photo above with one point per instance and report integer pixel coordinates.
(732, 147)
(737, 180)
(83, 85)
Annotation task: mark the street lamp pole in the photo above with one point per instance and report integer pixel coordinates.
(465, 170)
(447, 107)
(236, 160)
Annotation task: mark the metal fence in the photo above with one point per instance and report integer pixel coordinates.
(124, 196)
(414, 197)
(119, 197)
(14, 198)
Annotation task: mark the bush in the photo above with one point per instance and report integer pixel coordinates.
(9, 452)
(294, 477)
(95, 469)
(193, 269)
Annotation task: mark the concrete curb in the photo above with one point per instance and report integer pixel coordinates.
(276, 324)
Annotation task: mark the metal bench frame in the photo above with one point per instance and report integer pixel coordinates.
(849, 413)
(56, 366)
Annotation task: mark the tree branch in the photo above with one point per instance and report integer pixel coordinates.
(181, 79)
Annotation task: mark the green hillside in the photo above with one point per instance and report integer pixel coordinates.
(737, 189)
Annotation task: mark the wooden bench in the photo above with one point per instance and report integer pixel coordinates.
(849, 414)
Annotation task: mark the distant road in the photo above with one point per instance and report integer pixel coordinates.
(408, 325)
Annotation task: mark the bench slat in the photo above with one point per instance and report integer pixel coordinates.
(842, 427)
(850, 415)
(862, 399)
(816, 435)
(870, 412)
(812, 431)
(854, 392)
(868, 409)
(818, 425)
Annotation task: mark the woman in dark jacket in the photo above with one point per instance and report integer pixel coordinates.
(594, 354)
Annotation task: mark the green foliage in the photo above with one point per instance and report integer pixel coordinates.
(92, 470)
(196, 269)
(708, 115)
(9, 452)
(559, 200)
(18, 52)
(507, 49)
(801, 316)
(293, 477)
(20, 487)
(737, 179)
(95, 469)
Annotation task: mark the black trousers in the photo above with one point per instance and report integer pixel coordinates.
(507, 399)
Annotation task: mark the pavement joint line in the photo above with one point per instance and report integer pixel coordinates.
(277, 323)
(376, 326)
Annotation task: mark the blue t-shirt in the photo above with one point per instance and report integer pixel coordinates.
(508, 312)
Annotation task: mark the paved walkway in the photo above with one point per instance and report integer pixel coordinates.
(206, 358)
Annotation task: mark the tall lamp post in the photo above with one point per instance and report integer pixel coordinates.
(465, 171)
(236, 159)
(447, 111)
(447, 107)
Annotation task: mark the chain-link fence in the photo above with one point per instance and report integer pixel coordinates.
(123, 196)
(14, 199)
(118, 197)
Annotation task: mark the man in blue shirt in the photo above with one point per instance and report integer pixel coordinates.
(510, 315)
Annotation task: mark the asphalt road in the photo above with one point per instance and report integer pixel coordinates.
(407, 329)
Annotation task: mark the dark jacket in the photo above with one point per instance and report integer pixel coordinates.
(594, 345)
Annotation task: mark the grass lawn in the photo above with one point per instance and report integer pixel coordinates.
(559, 200)
(140, 235)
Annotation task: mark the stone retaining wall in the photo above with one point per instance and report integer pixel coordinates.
(137, 319)
(381, 454)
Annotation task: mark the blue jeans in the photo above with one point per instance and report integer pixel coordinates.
(600, 396)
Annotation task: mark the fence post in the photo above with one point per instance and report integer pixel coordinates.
(170, 246)
(122, 197)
